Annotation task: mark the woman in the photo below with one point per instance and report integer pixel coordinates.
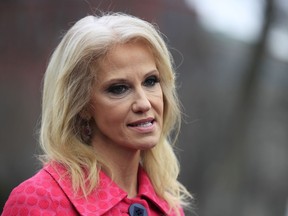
(109, 106)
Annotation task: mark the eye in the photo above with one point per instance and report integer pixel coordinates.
(117, 89)
(151, 81)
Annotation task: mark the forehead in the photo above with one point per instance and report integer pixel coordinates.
(122, 58)
(122, 53)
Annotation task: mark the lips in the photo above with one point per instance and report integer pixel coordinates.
(142, 123)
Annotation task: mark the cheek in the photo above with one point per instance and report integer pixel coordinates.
(107, 113)
(160, 103)
(159, 100)
(160, 106)
(108, 122)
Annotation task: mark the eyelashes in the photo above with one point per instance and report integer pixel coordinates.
(119, 89)
(151, 81)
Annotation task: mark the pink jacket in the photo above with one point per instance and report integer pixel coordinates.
(48, 193)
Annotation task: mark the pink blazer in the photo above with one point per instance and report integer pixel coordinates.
(49, 193)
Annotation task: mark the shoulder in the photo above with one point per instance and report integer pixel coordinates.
(37, 196)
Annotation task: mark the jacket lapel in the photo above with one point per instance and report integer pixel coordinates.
(101, 200)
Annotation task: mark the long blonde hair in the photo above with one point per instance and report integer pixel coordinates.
(68, 81)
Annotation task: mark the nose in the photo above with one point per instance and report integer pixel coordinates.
(141, 103)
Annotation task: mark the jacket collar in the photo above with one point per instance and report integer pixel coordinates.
(146, 190)
(107, 194)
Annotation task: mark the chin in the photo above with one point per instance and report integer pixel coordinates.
(147, 146)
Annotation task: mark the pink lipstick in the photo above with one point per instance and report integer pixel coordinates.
(144, 125)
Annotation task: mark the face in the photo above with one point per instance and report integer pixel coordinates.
(127, 101)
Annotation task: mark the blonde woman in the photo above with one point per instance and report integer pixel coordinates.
(109, 107)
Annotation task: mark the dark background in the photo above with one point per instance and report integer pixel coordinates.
(234, 140)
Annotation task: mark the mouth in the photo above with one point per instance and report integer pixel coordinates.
(142, 123)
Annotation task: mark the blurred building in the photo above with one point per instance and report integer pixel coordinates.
(233, 157)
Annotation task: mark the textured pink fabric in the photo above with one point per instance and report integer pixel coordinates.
(49, 192)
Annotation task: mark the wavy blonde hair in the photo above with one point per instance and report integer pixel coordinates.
(68, 82)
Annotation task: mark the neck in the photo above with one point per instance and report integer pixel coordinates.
(125, 175)
(122, 165)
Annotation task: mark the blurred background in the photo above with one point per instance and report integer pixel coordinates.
(231, 58)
